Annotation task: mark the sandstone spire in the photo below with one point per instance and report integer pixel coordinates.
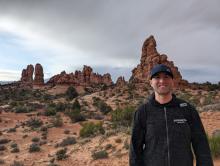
(39, 75)
(151, 57)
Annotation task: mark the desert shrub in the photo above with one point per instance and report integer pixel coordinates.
(75, 115)
(214, 143)
(68, 141)
(101, 105)
(4, 141)
(100, 155)
(2, 147)
(47, 97)
(15, 150)
(61, 154)
(66, 131)
(23, 109)
(11, 130)
(108, 146)
(76, 105)
(71, 93)
(60, 107)
(126, 144)
(91, 129)
(50, 111)
(34, 123)
(17, 163)
(14, 145)
(57, 121)
(44, 128)
(123, 116)
(118, 140)
(34, 148)
(35, 139)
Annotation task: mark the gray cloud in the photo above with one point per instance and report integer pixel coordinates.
(113, 31)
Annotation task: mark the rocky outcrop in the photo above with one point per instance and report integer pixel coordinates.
(86, 77)
(39, 75)
(27, 75)
(151, 57)
(120, 81)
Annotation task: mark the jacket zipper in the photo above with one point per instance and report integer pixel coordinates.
(167, 131)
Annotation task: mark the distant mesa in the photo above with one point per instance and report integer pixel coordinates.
(86, 77)
(149, 58)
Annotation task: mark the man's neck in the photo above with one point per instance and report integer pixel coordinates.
(163, 99)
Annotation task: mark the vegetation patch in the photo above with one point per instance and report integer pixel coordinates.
(214, 143)
(61, 154)
(100, 155)
(91, 129)
(123, 117)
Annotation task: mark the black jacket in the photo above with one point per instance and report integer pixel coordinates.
(162, 135)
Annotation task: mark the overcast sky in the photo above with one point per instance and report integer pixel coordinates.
(108, 35)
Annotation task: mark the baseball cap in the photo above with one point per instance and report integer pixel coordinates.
(160, 68)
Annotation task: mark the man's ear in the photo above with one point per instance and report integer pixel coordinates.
(150, 82)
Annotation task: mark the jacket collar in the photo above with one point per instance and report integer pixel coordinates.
(173, 101)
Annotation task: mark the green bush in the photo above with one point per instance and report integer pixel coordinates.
(14, 145)
(34, 148)
(214, 143)
(101, 105)
(34, 123)
(50, 111)
(68, 141)
(75, 115)
(61, 154)
(76, 105)
(91, 129)
(4, 141)
(2, 147)
(57, 121)
(15, 150)
(35, 139)
(100, 155)
(123, 116)
(71, 93)
(60, 107)
(23, 109)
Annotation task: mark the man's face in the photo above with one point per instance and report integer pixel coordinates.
(162, 84)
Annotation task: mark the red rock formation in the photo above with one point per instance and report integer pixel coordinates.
(151, 57)
(27, 74)
(39, 75)
(120, 81)
(86, 77)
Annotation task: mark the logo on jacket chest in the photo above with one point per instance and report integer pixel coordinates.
(180, 121)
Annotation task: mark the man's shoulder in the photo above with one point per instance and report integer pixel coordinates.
(184, 104)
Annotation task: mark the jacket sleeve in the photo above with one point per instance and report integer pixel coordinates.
(137, 139)
(199, 141)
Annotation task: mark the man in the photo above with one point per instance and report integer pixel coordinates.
(165, 127)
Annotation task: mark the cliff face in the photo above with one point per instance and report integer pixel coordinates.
(151, 57)
(85, 77)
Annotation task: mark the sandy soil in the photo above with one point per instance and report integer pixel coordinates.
(80, 154)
